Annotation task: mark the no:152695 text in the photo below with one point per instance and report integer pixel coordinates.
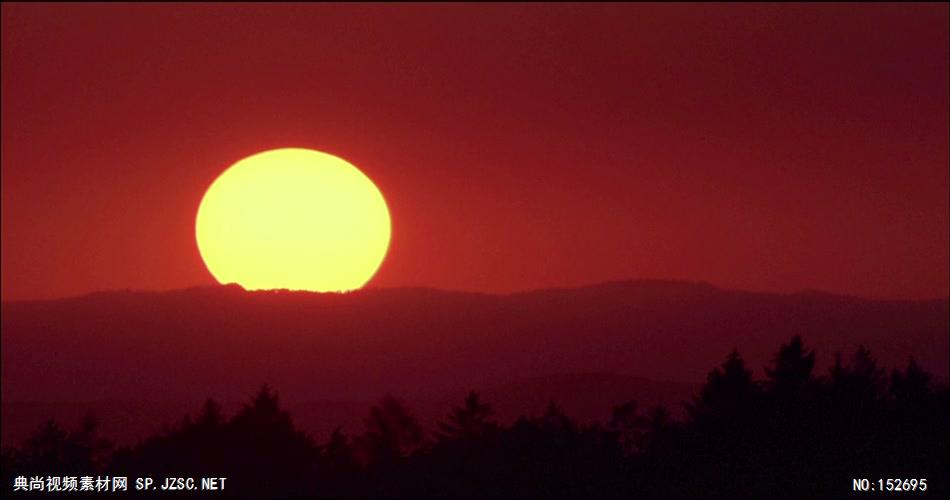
(889, 485)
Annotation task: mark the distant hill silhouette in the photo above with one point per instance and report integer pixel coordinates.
(422, 343)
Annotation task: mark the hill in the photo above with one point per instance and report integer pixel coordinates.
(422, 344)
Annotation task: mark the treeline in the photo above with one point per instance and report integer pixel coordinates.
(794, 433)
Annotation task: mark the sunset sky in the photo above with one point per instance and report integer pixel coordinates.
(761, 147)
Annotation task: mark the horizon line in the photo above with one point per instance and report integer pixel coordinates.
(597, 284)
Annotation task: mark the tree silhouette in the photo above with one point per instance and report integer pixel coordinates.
(46, 448)
(554, 421)
(791, 373)
(338, 453)
(859, 384)
(659, 418)
(391, 433)
(913, 385)
(469, 422)
(629, 425)
(259, 447)
(52, 448)
(266, 431)
(791, 434)
(728, 394)
(337, 470)
(210, 415)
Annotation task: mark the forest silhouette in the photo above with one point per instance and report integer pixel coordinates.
(792, 433)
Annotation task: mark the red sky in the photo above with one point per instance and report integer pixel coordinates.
(764, 147)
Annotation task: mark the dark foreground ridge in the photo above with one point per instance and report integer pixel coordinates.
(794, 433)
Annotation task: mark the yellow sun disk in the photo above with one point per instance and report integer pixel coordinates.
(293, 218)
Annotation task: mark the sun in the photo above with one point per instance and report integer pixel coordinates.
(293, 218)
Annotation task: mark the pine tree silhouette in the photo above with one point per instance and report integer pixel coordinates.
(392, 433)
(51, 447)
(210, 415)
(337, 452)
(629, 426)
(337, 470)
(728, 394)
(913, 385)
(46, 447)
(469, 422)
(791, 373)
(791, 434)
(860, 384)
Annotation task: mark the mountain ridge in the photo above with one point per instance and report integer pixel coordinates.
(623, 327)
(418, 343)
(610, 284)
